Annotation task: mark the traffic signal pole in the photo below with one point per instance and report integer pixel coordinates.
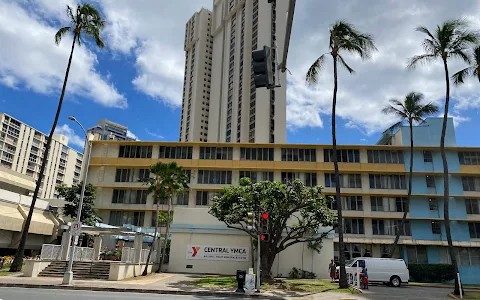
(258, 250)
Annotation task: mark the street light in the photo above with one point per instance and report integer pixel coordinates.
(68, 276)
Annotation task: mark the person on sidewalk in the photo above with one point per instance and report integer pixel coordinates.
(332, 269)
(364, 276)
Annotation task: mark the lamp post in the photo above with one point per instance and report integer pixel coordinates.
(68, 276)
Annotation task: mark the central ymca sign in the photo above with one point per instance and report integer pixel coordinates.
(218, 253)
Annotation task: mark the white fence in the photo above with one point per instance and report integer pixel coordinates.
(353, 278)
(54, 252)
(128, 255)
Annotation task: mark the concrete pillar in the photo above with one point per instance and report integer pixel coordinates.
(157, 247)
(66, 241)
(137, 244)
(97, 247)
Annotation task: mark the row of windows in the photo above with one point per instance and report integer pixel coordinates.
(469, 158)
(257, 154)
(346, 180)
(310, 179)
(343, 155)
(135, 151)
(390, 227)
(214, 177)
(385, 156)
(387, 204)
(254, 175)
(299, 154)
(119, 218)
(131, 175)
(178, 152)
(387, 182)
(223, 153)
(471, 183)
(130, 196)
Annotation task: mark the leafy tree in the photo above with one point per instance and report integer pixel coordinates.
(295, 216)
(72, 199)
(168, 180)
(472, 71)
(451, 40)
(84, 20)
(410, 110)
(344, 37)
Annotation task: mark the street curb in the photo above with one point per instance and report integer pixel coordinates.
(142, 291)
(452, 296)
(473, 288)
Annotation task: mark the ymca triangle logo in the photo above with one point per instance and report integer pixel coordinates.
(195, 251)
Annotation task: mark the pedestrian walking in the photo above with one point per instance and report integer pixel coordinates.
(332, 269)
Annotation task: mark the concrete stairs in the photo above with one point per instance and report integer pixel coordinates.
(81, 269)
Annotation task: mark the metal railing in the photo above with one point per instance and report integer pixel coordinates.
(128, 255)
(54, 252)
(353, 278)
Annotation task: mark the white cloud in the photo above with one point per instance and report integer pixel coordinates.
(131, 135)
(155, 135)
(33, 61)
(73, 138)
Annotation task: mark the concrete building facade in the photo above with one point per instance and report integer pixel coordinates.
(108, 130)
(374, 187)
(220, 101)
(22, 149)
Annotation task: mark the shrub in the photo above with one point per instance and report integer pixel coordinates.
(301, 274)
(431, 272)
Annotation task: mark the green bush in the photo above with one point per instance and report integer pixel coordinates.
(301, 274)
(431, 272)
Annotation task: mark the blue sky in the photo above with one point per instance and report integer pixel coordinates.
(137, 79)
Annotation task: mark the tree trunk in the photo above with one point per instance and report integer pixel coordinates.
(341, 246)
(160, 245)
(267, 259)
(410, 175)
(152, 248)
(167, 232)
(446, 191)
(18, 261)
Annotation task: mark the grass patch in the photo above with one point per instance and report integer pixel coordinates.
(471, 295)
(216, 282)
(5, 272)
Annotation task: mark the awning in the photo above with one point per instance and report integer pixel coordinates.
(10, 218)
(41, 223)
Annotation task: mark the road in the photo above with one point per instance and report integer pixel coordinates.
(45, 294)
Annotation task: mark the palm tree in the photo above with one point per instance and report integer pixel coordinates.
(169, 179)
(471, 71)
(450, 40)
(344, 37)
(87, 20)
(411, 110)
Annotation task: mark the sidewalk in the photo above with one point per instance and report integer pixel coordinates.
(163, 283)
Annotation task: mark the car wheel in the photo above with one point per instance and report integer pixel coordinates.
(395, 281)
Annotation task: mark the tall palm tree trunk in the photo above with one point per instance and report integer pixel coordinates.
(18, 260)
(409, 196)
(152, 248)
(446, 191)
(167, 232)
(341, 245)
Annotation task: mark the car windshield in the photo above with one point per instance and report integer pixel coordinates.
(349, 262)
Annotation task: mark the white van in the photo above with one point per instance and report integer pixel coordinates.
(392, 271)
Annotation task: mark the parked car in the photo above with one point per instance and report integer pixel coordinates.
(392, 271)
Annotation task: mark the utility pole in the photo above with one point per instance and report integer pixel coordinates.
(258, 251)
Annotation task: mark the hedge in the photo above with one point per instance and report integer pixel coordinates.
(431, 272)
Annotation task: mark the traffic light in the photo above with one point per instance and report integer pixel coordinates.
(262, 68)
(264, 233)
(251, 223)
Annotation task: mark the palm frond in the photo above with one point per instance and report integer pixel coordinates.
(70, 14)
(420, 59)
(343, 63)
(391, 110)
(426, 31)
(461, 54)
(346, 37)
(315, 70)
(459, 77)
(60, 33)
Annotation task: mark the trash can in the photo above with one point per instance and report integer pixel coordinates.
(241, 274)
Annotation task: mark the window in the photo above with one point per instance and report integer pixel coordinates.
(130, 196)
(390, 227)
(214, 177)
(436, 229)
(256, 154)
(179, 152)
(391, 204)
(135, 151)
(469, 158)
(119, 218)
(430, 181)
(188, 173)
(131, 175)
(472, 206)
(469, 256)
(299, 154)
(387, 181)
(385, 156)
(471, 183)
(182, 199)
(267, 176)
(222, 153)
(353, 226)
(474, 229)
(250, 174)
(346, 180)
(343, 155)
(352, 203)
(204, 197)
(427, 156)
(433, 203)
(417, 255)
(311, 179)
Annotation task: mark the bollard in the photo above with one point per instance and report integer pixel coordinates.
(240, 281)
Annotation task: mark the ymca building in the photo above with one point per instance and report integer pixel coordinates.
(374, 193)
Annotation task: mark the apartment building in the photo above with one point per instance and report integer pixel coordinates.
(220, 101)
(108, 130)
(22, 149)
(374, 182)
